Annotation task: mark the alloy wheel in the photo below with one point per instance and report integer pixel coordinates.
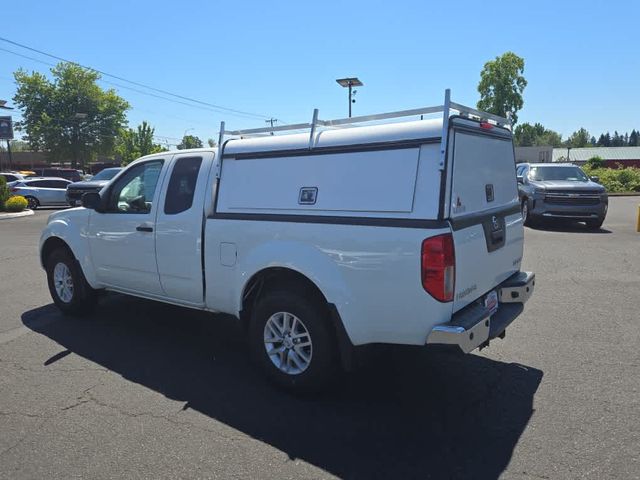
(288, 343)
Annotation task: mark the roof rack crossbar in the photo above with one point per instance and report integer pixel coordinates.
(381, 116)
(445, 109)
(500, 121)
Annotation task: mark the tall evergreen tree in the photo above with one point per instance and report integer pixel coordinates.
(615, 141)
(593, 141)
(633, 138)
(604, 140)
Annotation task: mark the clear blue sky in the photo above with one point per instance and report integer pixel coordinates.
(281, 59)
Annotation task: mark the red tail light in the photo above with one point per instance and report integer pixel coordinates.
(14, 189)
(486, 126)
(439, 267)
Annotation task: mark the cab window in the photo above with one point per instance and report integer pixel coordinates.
(182, 185)
(134, 191)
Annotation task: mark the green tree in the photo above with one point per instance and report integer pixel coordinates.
(634, 139)
(501, 86)
(211, 142)
(190, 141)
(579, 138)
(132, 144)
(604, 140)
(16, 146)
(70, 117)
(527, 135)
(615, 140)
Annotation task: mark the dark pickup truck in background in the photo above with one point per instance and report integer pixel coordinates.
(560, 191)
(77, 189)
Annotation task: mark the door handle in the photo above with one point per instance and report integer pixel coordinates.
(144, 228)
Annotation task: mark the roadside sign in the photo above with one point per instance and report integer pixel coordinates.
(6, 128)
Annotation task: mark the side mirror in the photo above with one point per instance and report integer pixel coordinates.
(92, 200)
(520, 179)
(595, 179)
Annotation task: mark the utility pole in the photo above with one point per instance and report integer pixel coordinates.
(9, 152)
(6, 130)
(271, 121)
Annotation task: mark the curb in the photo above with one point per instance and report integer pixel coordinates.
(24, 213)
(624, 194)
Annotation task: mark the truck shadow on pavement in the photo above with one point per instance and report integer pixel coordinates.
(408, 414)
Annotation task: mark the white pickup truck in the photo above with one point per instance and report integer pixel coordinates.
(356, 232)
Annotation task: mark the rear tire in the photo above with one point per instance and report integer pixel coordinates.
(291, 340)
(67, 285)
(32, 203)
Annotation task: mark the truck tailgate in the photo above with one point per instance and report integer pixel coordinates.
(484, 213)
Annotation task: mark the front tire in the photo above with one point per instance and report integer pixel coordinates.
(291, 341)
(595, 224)
(526, 216)
(32, 203)
(67, 285)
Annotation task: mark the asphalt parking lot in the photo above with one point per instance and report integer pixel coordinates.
(145, 390)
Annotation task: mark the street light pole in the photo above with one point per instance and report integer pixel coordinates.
(349, 83)
(9, 152)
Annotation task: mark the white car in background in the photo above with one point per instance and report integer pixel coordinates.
(12, 177)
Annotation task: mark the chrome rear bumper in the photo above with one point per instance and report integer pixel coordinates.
(474, 325)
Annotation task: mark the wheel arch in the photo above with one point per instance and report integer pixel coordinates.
(62, 233)
(273, 278)
(50, 245)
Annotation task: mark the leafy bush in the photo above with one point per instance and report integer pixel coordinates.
(16, 204)
(595, 162)
(620, 180)
(4, 192)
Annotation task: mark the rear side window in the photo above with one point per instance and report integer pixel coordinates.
(182, 185)
(58, 184)
(38, 183)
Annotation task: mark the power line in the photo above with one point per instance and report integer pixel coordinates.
(208, 109)
(165, 92)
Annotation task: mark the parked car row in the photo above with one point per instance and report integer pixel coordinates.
(55, 191)
(70, 174)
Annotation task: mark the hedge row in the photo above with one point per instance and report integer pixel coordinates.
(616, 180)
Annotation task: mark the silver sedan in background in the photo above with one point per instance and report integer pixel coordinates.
(41, 191)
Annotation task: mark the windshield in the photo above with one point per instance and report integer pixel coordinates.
(572, 174)
(106, 174)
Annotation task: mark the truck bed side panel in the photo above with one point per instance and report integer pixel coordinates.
(371, 273)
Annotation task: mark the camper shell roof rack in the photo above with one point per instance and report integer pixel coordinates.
(446, 108)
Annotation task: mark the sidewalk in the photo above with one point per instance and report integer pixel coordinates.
(24, 213)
